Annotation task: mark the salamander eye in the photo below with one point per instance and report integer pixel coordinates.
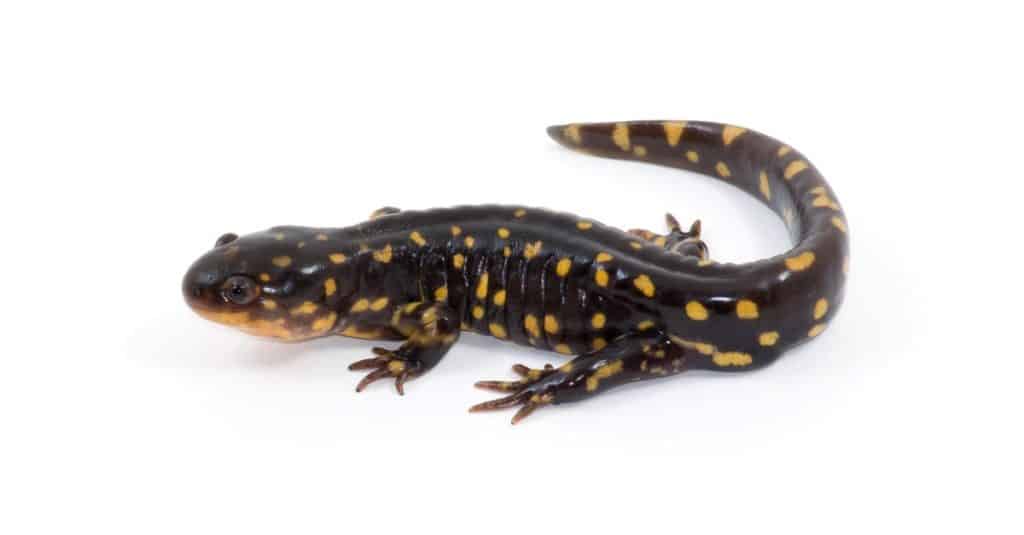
(240, 290)
(226, 239)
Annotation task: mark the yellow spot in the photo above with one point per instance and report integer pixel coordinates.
(696, 311)
(321, 237)
(458, 260)
(279, 236)
(597, 320)
(307, 307)
(265, 277)
(519, 213)
(584, 225)
(550, 324)
(301, 244)
(456, 230)
(732, 358)
(360, 305)
(269, 304)
(396, 366)
(384, 255)
(282, 261)
(783, 150)
(497, 330)
(563, 267)
(429, 316)
(573, 132)
(599, 343)
(503, 233)
(440, 293)
(417, 238)
(692, 156)
(794, 168)
(766, 189)
(324, 323)
(723, 170)
(469, 241)
(330, 287)
(603, 257)
(379, 304)
(481, 286)
(337, 258)
(620, 135)
(730, 133)
(507, 251)
(640, 151)
(601, 277)
(563, 349)
(604, 372)
(820, 308)
(800, 262)
(636, 245)
(531, 249)
(673, 132)
(356, 332)
(531, 326)
(644, 325)
(838, 223)
(746, 309)
(478, 311)
(409, 308)
(644, 284)
(499, 298)
(768, 339)
(816, 330)
(705, 262)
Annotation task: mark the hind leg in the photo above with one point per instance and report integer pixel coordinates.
(686, 243)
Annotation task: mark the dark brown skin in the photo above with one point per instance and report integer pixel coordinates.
(628, 305)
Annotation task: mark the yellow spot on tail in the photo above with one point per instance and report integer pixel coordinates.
(469, 241)
(800, 262)
(601, 277)
(673, 132)
(766, 189)
(838, 223)
(572, 132)
(282, 261)
(820, 308)
(499, 298)
(531, 249)
(794, 168)
(816, 330)
(783, 150)
(307, 307)
(584, 225)
(519, 213)
(640, 151)
(531, 325)
(599, 343)
(440, 293)
(550, 324)
(563, 349)
(723, 170)
(692, 156)
(481, 287)
(603, 257)
(597, 321)
(497, 330)
(269, 304)
(378, 304)
(644, 325)
(503, 233)
(330, 286)
(696, 311)
(604, 372)
(478, 312)
(265, 277)
(732, 358)
(383, 255)
(337, 258)
(321, 237)
(746, 309)
(456, 230)
(417, 238)
(768, 339)
(730, 133)
(563, 267)
(636, 245)
(458, 260)
(360, 305)
(645, 285)
(324, 323)
(620, 135)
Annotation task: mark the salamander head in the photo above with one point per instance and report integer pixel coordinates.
(268, 284)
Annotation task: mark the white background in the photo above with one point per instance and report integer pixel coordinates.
(132, 134)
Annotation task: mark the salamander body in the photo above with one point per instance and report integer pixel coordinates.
(627, 306)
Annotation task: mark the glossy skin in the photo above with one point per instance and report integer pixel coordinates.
(628, 305)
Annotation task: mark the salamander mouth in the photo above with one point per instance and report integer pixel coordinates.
(247, 322)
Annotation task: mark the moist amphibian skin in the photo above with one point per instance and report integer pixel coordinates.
(621, 306)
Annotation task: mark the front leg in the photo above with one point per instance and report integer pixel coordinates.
(430, 330)
(630, 357)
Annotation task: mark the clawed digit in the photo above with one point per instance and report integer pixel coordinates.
(386, 364)
(523, 395)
